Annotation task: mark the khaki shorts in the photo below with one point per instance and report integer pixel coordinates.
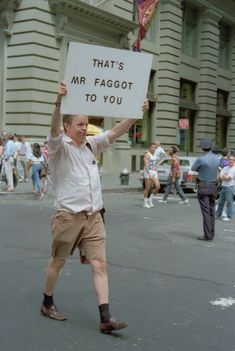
(82, 231)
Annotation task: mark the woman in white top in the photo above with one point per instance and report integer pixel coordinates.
(150, 176)
(36, 160)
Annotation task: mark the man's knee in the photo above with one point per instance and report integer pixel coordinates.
(57, 263)
(99, 266)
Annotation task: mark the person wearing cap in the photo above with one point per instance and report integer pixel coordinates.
(207, 166)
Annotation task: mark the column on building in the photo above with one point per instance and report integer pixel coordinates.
(7, 15)
(232, 97)
(32, 70)
(168, 82)
(207, 87)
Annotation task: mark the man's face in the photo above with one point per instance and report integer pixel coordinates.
(231, 161)
(157, 144)
(170, 151)
(152, 148)
(4, 136)
(77, 130)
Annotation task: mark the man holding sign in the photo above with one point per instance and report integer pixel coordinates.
(78, 222)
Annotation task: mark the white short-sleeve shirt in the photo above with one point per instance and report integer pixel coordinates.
(75, 174)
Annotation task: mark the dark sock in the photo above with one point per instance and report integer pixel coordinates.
(104, 312)
(48, 300)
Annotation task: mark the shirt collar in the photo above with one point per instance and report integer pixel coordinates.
(67, 139)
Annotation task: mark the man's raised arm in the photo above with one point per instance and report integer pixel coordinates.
(124, 126)
(55, 121)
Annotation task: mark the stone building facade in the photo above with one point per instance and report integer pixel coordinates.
(192, 82)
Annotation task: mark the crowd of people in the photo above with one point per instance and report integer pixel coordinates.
(20, 160)
(153, 155)
(215, 180)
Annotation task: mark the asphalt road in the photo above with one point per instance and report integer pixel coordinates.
(167, 285)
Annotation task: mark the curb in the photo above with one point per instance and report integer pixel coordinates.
(31, 196)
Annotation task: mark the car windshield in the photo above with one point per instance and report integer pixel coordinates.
(165, 163)
(184, 163)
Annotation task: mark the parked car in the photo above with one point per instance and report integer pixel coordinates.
(187, 177)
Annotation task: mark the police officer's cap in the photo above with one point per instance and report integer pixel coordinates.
(206, 144)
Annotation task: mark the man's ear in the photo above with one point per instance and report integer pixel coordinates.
(65, 126)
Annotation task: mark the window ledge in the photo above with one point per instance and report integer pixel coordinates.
(74, 9)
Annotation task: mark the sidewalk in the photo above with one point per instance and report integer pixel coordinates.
(109, 182)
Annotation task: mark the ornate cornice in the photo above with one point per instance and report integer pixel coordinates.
(7, 15)
(74, 9)
(224, 8)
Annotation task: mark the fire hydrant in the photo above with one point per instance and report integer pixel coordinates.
(124, 176)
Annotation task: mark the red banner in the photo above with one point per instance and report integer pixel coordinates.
(146, 10)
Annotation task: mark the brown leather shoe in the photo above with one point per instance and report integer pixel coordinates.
(112, 324)
(52, 312)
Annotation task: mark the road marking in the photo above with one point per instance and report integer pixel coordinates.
(223, 302)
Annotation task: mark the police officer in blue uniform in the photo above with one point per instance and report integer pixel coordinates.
(207, 167)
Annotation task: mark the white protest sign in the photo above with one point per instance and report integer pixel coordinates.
(104, 81)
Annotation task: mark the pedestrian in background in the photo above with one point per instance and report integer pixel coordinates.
(1, 154)
(23, 154)
(173, 178)
(78, 222)
(223, 163)
(150, 176)
(9, 151)
(227, 176)
(207, 167)
(224, 158)
(36, 160)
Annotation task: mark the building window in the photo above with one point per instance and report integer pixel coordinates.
(187, 90)
(224, 46)
(222, 119)
(190, 30)
(221, 131)
(186, 130)
(222, 99)
(139, 133)
(187, 113)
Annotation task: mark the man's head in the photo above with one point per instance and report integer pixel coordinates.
(5, 136)
(231, 160)
(206, 144)
(75, 126)
(157, 143)
(152, 147)
(172, 150)
(225, 152)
